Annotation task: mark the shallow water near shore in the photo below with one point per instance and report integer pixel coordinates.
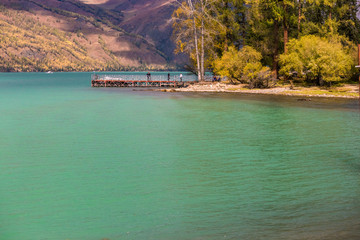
(83, 163)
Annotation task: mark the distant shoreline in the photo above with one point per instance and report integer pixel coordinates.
(350, 91)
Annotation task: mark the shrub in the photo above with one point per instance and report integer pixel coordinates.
(243, 66)
(317, 60)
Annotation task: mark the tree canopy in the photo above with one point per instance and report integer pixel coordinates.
(316, 60)
(242, 66)
(286, 31)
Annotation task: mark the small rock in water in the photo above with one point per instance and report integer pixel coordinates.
(304, 99)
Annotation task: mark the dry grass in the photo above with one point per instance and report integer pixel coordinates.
(237, 88)
(343, 91)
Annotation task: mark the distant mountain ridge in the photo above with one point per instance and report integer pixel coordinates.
(66, 35)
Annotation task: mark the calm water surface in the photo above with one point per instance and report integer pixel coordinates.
(87, 164)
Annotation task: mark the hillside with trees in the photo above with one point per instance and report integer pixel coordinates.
(259, 42)
(68, 35)
(249, 41)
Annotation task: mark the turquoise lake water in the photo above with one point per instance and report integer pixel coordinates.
(80, 163)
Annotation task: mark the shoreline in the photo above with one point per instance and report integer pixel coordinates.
(347, 91)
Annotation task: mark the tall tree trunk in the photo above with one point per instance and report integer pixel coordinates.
(202, 51)
(197, 51)
(202, 40)
(196, 40)
(286, 29)
(244, 24)
(299, 17)
(286, 38)
(276, 49)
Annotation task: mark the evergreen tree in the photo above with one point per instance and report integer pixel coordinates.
(232, 15)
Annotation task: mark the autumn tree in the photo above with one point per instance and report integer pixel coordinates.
(242, 66)
(195, 25)
(317, 60)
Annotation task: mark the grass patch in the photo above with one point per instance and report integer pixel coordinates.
(330, 92)
(236, 88)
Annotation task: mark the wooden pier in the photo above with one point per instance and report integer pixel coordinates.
(155, 81)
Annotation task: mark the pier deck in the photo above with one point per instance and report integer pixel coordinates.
(139, 81)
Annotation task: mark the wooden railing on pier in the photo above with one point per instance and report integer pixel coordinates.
(140, 81)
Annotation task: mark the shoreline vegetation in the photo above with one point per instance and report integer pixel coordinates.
(259, 43)
(257, 46)
(350, 91)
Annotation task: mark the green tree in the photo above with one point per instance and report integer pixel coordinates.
(320, 17)
(242, 66)
(265, 25)
(317, 60)
(270, 27)
(232, 15)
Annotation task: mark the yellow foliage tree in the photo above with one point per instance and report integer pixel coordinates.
(317, 60)
(243, 66)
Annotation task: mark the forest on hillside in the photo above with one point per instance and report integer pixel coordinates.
(66, 35)
(260, 41)
(248, 41)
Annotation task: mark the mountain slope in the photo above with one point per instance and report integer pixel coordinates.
(37, 35)
(148, 18)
